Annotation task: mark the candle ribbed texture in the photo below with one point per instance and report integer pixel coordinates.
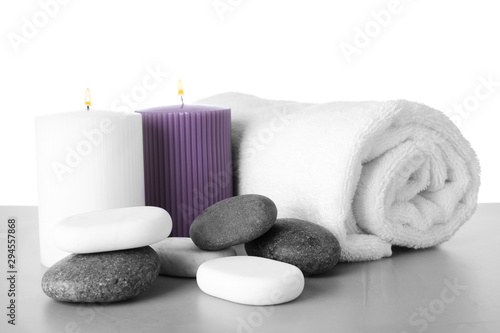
(187, 161)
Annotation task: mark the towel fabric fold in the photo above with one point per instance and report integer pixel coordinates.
(376, 174)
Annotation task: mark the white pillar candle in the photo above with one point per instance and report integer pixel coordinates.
(86, 161)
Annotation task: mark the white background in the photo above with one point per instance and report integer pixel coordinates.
(434, 52)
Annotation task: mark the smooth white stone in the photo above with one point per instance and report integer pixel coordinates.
(179, 256)
(250, 280)
(113, 229)
(240, 250)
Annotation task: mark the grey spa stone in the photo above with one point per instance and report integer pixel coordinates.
(102, 277)
(233, 221)
(309, 246)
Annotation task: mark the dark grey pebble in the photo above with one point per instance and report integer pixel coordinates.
(102, 277)
(310, 247)
(233, 221)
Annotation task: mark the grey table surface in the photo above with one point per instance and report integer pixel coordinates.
(454, 287)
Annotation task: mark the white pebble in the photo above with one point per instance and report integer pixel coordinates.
(179, 256)
(250, 280)
(113, 229)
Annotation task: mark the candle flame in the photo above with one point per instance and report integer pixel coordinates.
(180, 88)
(87, 98)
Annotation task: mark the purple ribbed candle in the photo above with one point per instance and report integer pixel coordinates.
(187, 160)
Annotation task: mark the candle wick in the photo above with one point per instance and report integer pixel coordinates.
(88, 107)
(182, 99)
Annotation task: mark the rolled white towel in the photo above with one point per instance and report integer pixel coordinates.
(376, 174)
